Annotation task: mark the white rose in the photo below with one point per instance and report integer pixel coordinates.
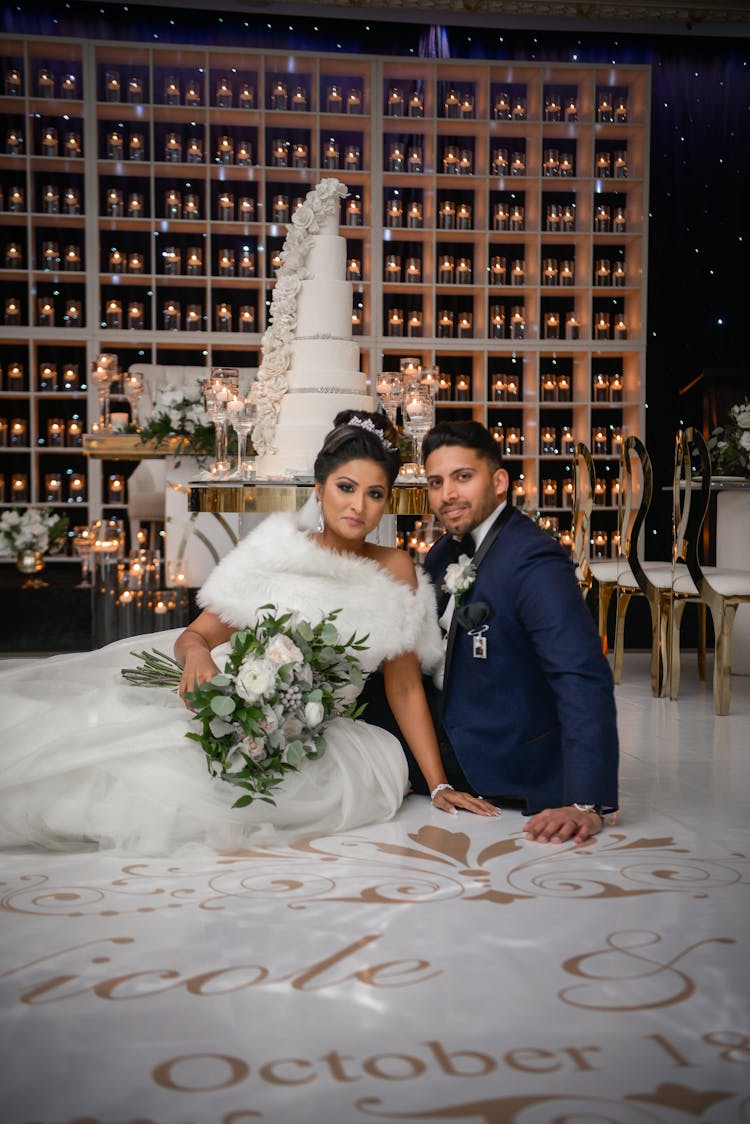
(282, 650)
(314, 714)
(269, 722)
(459, 576)
(255, 678)
(745, 440)
(742, 416)
(347, 693)
(255, 748)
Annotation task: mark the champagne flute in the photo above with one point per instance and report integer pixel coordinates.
(241, 413)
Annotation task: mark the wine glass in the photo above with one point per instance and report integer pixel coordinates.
(241, 413)
(83, 544)
(419, 415)
(390, 388)
(222, 384)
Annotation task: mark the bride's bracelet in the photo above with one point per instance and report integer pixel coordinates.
(439, 788)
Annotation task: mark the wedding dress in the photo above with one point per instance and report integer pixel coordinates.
(87, 760)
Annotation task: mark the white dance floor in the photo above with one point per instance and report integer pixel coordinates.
(432, 968)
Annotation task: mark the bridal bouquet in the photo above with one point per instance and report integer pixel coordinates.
(729, 445)
(283, 681)
(36, 528)
(179, 412)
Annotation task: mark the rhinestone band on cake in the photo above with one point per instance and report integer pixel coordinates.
(308, 346)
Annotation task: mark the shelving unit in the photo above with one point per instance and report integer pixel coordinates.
(496, 227)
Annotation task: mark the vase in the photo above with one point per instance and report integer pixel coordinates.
(31, 562)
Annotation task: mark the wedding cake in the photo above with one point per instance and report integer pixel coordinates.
(309, 367)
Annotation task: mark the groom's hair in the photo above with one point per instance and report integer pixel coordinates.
(466, 435)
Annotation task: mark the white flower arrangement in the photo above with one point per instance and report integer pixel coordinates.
(179, 411)
(271, 383)
(729, 445)
(36, 528)
(283, 681)
(459, 577)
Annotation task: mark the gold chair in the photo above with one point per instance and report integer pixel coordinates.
(590, 572)
(722, 591)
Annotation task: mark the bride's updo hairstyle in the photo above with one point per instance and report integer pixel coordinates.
(358, 435)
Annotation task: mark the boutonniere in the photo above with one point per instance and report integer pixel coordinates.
(459, 577)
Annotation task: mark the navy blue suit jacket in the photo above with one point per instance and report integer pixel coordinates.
(537, 718)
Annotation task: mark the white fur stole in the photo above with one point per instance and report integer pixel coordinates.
(279, 564)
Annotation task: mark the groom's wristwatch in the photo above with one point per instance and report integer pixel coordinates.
(591, 808)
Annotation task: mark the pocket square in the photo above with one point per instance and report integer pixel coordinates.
(472, 615)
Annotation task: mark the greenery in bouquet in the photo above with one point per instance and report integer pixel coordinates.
(729, 445)
(180, 412)
(283, 682)
(36, 528)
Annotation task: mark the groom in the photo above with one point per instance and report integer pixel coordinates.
(528, 712)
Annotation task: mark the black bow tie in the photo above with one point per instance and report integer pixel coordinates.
(466, 546)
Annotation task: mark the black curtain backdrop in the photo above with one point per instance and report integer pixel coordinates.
(699, 241)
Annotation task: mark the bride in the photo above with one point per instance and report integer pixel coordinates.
(87, 760)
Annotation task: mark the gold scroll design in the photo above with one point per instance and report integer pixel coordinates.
(189, 530)
(431, 865)
(632, 1108)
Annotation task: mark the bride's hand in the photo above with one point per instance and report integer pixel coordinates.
(199, 668)
(448, 800)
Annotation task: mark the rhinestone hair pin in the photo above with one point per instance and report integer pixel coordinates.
(369, 425)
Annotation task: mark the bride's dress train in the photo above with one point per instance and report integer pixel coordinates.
(88, 759)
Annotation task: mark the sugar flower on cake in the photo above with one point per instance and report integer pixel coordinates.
(271, 383)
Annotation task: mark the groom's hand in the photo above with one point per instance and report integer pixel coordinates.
(563, 825)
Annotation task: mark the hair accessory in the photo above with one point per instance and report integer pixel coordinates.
(369, 424)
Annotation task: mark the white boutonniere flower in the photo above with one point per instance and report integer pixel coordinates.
(459, 577)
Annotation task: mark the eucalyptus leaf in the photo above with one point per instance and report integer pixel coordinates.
(223, 705)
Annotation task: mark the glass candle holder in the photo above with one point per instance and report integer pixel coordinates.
(605, 109)
(550, 271)
(74, 432)
(19, 487)
(13, 82)
(396, 157)
(445, 323)
(223, 92)
(299, 156)
(513, 440)
(395, 102)
(621, 326)
(353, 269)
(354, 101)
(518, 109)
(113, 313)
(566, 275)
(173, 148)
(331, 155)
(12, 311)
(602, 271)
(517, 322)
(50, 141)
(500, 161)
(566, 167)
(16, 198)
(617, 277)
(465, 162)
(619, 221)
(395, 322)
(246, 319)
(112, 86)
(14, 376)
(135, 205)
(600, 387)
(569, 217)
(45, 317)
(600, 497)
(225, 206)
(599, 440)
(615, 388)
(497, 322)
(447, 215)
(450, 159)
(564, 388)
(246, 208)
(451, 105)
(171, 257)
(415, 323)
(113, 202)
(517, 217)
(70, 376)
(498, 270)
(172, 203)
(50, 255)
(549, 492)
(603, 165)
(48, 376)
(414, 216)
(518, 164)
(225, 150)
(3, 440)
(135, 315)
(620, 164)
(602, 219)
(19, 432)
(518, 272)
(552, 107)
(76, 488)
(55, 433)
(413, 270)
(465, 328)
(334, 99)
(548, 440)
(223, 316)
(512, 388)
(280, 208)
(548, 388)
(353, 212)
(193, 318)
(246, 99)
(464, 271)
(50, 199)
(415, 160)
(552, 325)
(115, 488)
(191, 205)
(501, 107)
(621, 109)
(279, 94)
(567, 440)
(13, 255)
(72, 313)
(171, 315)
(226, 261)
(466, 105)
(445, 269)
(246, 263)
(136, 262)
(171, 90)
(602, 326)
(501, 216)
(276, 262)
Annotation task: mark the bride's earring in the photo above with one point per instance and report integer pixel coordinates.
(321, 520)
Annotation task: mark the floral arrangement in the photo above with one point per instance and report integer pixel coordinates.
(271, 383)
(180, 412)
(283, 681)
(36, 528)
(459, 577)
(729, 445)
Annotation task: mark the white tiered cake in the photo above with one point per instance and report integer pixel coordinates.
(310, 364)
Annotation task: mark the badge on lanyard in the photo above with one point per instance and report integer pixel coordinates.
(479, 642)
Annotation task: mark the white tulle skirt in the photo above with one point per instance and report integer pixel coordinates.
(86, 760)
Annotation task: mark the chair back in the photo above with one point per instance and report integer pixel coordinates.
(636, 493)
(691, 494)
(584, 480)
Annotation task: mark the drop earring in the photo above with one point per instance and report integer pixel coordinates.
(321, 520)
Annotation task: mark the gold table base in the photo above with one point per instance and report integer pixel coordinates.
(263, 496)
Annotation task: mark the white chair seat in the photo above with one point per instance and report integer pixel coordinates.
(729, 583)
